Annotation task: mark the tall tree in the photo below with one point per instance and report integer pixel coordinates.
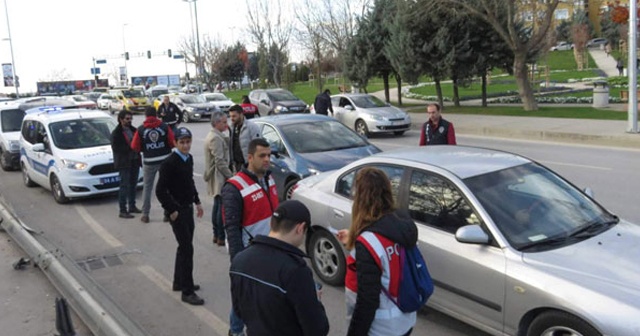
(536, 16)
(358, 59)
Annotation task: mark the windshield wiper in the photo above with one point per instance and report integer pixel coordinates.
(593, 228)
(544, 243)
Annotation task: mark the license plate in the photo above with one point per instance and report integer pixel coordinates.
(112, 179)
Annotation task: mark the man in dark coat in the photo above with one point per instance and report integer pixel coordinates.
(322, 105)
(127, 162)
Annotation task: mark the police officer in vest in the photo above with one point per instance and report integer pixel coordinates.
(155, 140)
(170, 113)
(248, 201)
(436, 131)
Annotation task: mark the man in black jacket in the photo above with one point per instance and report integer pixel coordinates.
(322, 104)
(170, 113)
(127, 162)
(272, 288)
(177, 193)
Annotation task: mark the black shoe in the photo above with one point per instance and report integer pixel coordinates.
(134, 210)
(125, 215)
(177, 288)
(192, 299)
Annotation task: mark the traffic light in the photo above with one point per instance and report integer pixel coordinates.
(169, 53)
(126, 55)
(186, 75)
(148, 53)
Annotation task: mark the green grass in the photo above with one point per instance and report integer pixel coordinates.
(563, 60)
(613, 92)
(543, 111)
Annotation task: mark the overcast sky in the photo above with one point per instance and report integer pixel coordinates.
(52, 36)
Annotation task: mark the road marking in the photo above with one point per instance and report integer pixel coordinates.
(575, 165)
(97, 228)
(206, 316)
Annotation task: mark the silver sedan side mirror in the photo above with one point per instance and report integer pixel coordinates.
(472, 234)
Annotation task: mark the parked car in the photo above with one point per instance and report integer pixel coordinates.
(219, 100)
(276, 101)
(596, 42)
(156, 91)
(104, 100)
(512, 247)
(562, 45)
(305, 145)
(132, 100)
(93, 96)
(81, 101)
(193, 106)
(68, 152)
(367, 114)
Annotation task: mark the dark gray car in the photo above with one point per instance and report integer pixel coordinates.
(276, 101)
(308, 144)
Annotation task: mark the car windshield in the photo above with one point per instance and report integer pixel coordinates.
(368, 102)
(192, 99)
(157, 92)
(282, 96)
(132, 93)
(216, 97)
(11, 120)
(82, 133)
(108, 97)
(533, 207)
(321, 136)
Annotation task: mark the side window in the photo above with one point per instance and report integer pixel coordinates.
(345, 184)
(272, 137)
(264, 97)
(29, 131)
(335, 101)
(344, 102)
(436, 202)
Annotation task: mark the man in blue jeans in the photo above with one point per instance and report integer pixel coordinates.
(155, 140)
(127, 162)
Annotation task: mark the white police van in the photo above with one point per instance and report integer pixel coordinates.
(68, 151)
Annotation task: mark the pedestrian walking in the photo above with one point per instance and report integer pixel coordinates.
(620, 66)
(322, 104)
(154, 139)
(607, 49)
(248, 201)
(437, 130)
(242, 132)
(217, 171)
(374, 265)
(249, 110)
(170, 113)
(127, 162)
(177, 193)
(272, 288)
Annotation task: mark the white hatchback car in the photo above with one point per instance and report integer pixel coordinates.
(68, 151)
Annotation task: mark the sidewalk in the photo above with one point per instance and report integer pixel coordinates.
(581, 131)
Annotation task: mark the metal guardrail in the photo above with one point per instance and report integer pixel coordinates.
(94, 307)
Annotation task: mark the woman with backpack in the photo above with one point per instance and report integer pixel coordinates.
(375, 238)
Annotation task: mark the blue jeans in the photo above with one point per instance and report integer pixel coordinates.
(236, 325)
(216, 218)
(127, 192)
(149, 171)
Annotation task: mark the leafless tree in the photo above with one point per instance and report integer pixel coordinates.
(57, 75)
(210, 50)
(270, 29)
(522, 24)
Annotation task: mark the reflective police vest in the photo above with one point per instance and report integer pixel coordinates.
(155, 143)
(257, 205)
(389, 319)
(438, 136)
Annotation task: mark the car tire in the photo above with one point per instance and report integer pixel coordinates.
(398, 133)
(288, 189)
(57, 191)
(185, 117)
(560, 323)
(28, 182)
(361, 128)
(5, 160)
(327, 258)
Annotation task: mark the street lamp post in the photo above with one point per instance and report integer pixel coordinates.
(198, 56)
(124, 51)
(633, 68)
(13, 61)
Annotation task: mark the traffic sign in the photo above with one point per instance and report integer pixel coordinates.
(95, 71)
(101, 61)
(178, 56)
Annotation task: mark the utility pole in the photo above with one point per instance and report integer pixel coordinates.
(633, 67)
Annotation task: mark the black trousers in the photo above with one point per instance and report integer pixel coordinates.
(183, 228)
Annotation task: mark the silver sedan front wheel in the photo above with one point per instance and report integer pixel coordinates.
(327, 258)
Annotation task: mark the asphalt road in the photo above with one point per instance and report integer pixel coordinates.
(134, 261)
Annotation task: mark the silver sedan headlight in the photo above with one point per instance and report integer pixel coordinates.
(76, 165)
(374, 117)
(188, 109)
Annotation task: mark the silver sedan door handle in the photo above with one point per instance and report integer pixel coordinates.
(337, 214)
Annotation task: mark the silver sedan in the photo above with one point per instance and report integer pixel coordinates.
(513, 248)
(367, 114)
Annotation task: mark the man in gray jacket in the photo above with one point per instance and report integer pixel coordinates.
(242, 132)
(217, 171)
